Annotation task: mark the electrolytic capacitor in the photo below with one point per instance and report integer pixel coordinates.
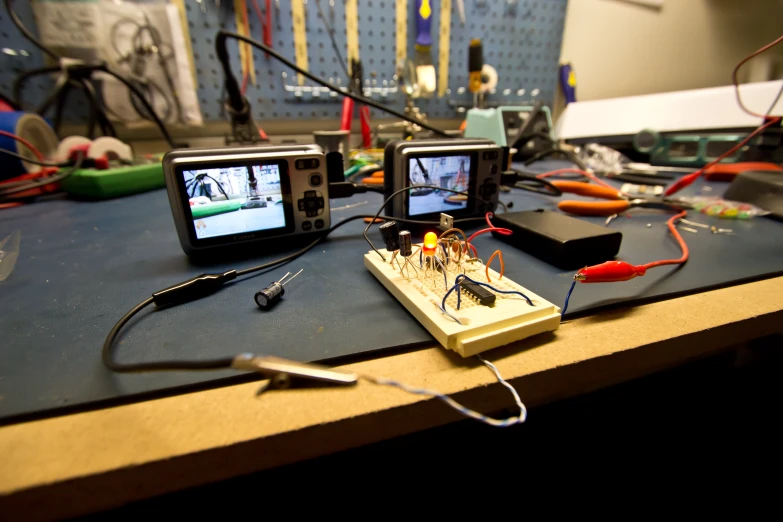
(406, 246)
(391, 235)
(271, 295)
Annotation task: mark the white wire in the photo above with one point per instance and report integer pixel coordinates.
(498, 423)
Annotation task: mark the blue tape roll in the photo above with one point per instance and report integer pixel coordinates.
(34, 129)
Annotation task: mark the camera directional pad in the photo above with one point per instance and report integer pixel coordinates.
(311, 202)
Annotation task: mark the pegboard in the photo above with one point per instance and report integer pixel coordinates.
(521, 40)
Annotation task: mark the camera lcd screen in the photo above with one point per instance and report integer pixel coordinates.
(446, 172)
(236, 199)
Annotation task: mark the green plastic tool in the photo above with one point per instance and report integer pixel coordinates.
(112, 183)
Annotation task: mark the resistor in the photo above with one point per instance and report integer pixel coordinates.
(271, 295)
(406, 246)
(391, 235)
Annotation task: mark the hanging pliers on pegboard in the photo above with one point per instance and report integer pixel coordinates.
(265, 19)
(355, 86)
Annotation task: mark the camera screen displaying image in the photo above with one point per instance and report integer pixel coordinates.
(448, 172)
(233, 200)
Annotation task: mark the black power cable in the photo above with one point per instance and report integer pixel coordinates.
(209, 284)
(78, 72)
(237, 101)
(26, 32)
(330, 32)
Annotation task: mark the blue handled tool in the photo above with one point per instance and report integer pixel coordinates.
(568, 82)
(423, 23)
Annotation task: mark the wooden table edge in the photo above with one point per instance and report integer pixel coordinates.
(90, 461)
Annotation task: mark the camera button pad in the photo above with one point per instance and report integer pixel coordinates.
(311, 202)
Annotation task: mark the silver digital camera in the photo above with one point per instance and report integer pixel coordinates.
(233, 196)
(471, 166)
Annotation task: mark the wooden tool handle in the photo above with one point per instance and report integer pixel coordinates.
(593, 208)
(587, 189)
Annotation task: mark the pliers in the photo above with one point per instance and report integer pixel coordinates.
(619, 201)
(355, 87)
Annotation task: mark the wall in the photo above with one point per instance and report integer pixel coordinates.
(621, 49)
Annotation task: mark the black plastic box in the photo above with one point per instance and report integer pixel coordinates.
(560, 240)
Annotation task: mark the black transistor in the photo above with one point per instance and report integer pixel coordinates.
(391, 235)
(480, 294)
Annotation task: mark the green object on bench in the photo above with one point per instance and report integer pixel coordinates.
(216, 207)
(112, 183)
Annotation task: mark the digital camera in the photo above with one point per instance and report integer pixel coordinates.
(471, 166)
(233, 196)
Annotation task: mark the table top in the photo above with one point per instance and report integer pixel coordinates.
(83, 264)
(100, 459)
(107, 265)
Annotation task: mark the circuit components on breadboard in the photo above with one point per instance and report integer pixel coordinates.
(481, 310)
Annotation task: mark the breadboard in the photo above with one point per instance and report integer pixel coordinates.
(509, 319)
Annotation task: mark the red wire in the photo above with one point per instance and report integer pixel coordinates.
(24, 142)
(680, 241)
(584, 173)
(488, 217)
(735, 80)
(265, 25)
(690, 178)
(502, 231)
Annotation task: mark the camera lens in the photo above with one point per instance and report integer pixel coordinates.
(315, 180)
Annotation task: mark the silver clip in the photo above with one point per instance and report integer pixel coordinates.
(284, 374)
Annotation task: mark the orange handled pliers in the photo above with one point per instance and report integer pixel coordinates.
(619, 201)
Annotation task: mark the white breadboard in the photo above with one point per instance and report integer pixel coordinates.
(509, 319)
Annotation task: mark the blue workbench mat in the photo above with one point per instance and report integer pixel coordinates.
(82, 265)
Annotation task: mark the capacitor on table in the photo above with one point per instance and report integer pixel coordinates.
(271, 295)
(391, 235)
(406, 245)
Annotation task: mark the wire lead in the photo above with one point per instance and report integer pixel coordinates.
(291, 279)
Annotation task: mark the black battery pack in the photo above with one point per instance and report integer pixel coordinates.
(560, 240)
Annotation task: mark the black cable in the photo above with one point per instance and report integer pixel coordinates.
(405, 189)
(224, 362)
(60, 106)
(330, 32)
(236, 99)
(33, 161)
(60, 89)
(148, 86)
(108, 359)
(43, 181)
(26, 32)
(107, 127)
(155, 118)
(22, 78)
(531, 183)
